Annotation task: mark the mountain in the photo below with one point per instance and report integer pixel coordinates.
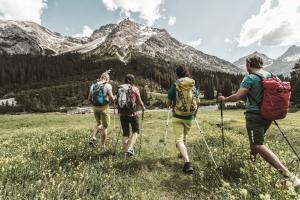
(23, 37)
(122, 41)
(283, 65)
(242, 61)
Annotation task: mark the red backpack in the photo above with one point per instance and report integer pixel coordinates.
(276, 98)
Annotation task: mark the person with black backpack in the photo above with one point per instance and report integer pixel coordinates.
(100, 96)
(183, 98)
(259, 114)
(128, 99)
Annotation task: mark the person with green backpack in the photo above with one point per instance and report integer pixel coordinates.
(183, 98)
(100, 96)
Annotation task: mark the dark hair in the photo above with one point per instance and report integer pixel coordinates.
(255, 61)
(129, 79)
(182, 71)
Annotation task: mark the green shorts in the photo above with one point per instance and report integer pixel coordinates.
(181, 127)
(257, 127)
(102, 115)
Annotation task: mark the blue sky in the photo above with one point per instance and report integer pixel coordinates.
(227, 29)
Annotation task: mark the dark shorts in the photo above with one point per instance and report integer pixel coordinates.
(257, 127)
(133, 121)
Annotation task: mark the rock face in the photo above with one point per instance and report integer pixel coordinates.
(119, 41)
(241, 63)
(282, 65)
(22, 37)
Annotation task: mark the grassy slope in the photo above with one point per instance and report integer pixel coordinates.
(47, 156)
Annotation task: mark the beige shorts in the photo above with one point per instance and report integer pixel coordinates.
(181, 127)
(102, 115)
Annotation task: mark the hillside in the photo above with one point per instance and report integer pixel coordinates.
(46, 156)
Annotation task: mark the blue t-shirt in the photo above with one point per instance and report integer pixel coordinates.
(253, 83)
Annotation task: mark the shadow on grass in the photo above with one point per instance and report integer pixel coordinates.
(134, 165)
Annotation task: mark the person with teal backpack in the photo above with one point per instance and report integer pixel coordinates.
(100, 96)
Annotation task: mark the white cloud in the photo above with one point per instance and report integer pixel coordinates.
(86, 32)
(195, 43)
(172, 20)
(22, 10)
(277, 23)
(149, 10)
(228, 40)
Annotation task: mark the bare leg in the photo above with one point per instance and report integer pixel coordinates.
(125, 143)
(97, 129)
(183, 151)
(132, 140)
(103, 137)
(270, 157)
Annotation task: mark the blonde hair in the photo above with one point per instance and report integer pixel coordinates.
(105, 75)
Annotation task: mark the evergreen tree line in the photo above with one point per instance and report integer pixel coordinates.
(46, 83)
(295, 83)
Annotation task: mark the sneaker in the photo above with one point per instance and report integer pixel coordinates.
(187, 168)
(296, 182)
(129, 152)
(92, 142)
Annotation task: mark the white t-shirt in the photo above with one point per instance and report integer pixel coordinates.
(106, 89)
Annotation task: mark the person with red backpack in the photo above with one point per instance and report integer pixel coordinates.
(183, 98)
(128, 99)
(100, 95)
(267, 100)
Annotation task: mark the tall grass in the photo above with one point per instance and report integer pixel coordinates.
(47, 156)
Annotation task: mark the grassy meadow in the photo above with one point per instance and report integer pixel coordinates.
(47, 156)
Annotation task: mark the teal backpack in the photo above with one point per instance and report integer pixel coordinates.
(98, 96)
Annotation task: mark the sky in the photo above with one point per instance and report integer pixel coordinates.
(227, 29)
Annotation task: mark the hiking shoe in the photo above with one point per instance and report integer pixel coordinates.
(296, 182)
(92, 142)
(187, 168)
(129, 153)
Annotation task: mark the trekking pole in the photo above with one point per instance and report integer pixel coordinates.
(114, 115)
(284, 136)
(142, 126)
(222, 124)
(116, 144)
(210, 153)
(166, 132)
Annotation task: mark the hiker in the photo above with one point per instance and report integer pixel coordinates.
(100, 96)
(256, 125)
(183, 98)
(128, 99)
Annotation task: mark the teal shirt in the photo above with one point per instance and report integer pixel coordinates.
(172, 98)
(253, 83)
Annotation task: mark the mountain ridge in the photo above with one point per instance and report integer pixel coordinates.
(118, 41)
